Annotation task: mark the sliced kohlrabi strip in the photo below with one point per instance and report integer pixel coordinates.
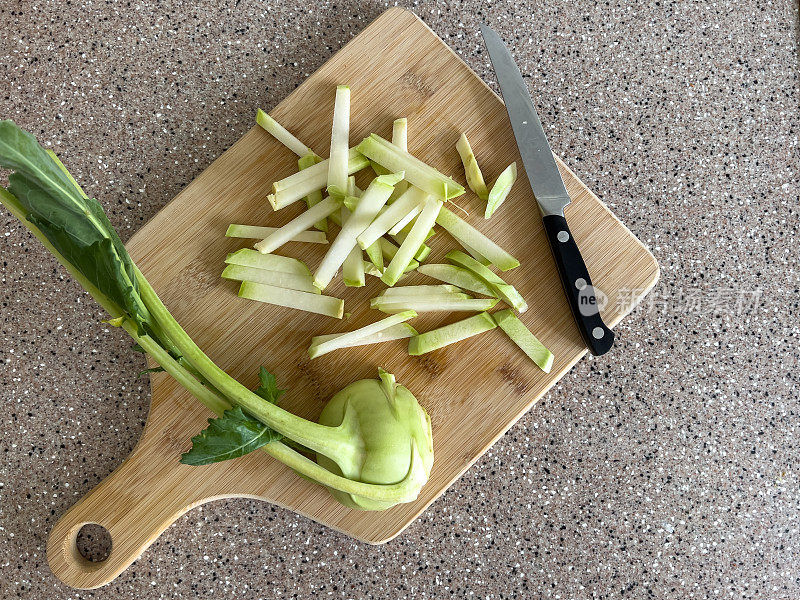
(434, 304)
(359, 334)
(502, 289)
(412, 243)
(301, 184)
(257, 232)
(375, 255)
(417, 172)
(450, 334)
(371, 269)
(424, 250)
(315, 303)
(269, 262)
(467, 234)
(351, 201)
(420, 291)
(340, 141)
(400, 133)
(500, 189)
(315, 197)
(371, 201)
(456, 276)
(523, 338)
(473, 172)
(409, 216)
(412, 200)
(475, 254)
(300, 223)
(292, 281)
(281, 134)
(353, 265)
(395, 332)
(390, 250)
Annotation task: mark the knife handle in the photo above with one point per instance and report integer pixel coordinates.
(577, 286)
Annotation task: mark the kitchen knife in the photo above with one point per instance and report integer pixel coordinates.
(551, 195)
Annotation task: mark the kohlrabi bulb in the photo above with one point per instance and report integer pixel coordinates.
(391, 433)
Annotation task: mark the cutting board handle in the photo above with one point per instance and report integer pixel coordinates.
(135, 503)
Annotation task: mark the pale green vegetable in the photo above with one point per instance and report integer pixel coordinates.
(400, 133)
(281, 134)
(343, 340)
(471, 169)
(353, 265)
(417, 172)
(315, 197)
(409, 216)
(405, 428)
(523, 338)
(292, 281)
(420, 290)
(307, 301)
(340, 138)
(409, 202)
(369, 204)
(395, 332)
(500, 189)
(501, 289)
(390, 250)
(464, 233)
(373, 437)
(411, 244)
(257, 232)
(451, 303)
(475, 254)
(450, 334)
(457, 276)
(270, 262)
(300, 223)
(314, 178)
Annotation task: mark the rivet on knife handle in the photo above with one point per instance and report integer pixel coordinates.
(577, 286)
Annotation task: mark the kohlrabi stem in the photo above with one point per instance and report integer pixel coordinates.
(332, 442)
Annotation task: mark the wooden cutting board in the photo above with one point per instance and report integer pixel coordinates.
(474, 390)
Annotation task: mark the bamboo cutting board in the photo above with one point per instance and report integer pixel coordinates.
(474, 390)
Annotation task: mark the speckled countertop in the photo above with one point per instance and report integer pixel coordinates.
(668, 468)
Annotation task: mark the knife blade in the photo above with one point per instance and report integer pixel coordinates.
(551, 196)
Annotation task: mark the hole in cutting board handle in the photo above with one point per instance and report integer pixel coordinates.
(94, 543)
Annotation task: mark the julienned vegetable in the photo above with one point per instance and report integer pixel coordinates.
(450, 334)
(501, 289)
(281, 134)
(471, 168)
(500, 189)
(373, 442)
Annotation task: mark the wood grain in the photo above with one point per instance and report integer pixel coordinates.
(474, 391)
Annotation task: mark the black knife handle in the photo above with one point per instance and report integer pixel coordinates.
(577, 286)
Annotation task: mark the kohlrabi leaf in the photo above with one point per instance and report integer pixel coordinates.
(76, 226)
(153, 370)
(232, 435)
(268, 389)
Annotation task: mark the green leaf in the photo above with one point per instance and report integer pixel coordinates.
(232, 435)
(76, 226)
(268, 389)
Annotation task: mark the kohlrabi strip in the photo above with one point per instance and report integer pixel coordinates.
(340, 342)
(291, 281)
(413, 241)
(466, 233)
(257, 232)
(409, 216)
(502, 289)
(450, 334)
(353, 265)
(270, 262)
(501, 189)
(417, 172)
(475, 254)
(315, 197)
(406, 204)
(390, 250)
(395, 332)
(420, 290)
(315, 178)
(279, 133)
(369, 204)
(471, 169)
(280, 296)
(300, 223)
(340, 141)
(457, 276)
(523, 338)
(435, 304)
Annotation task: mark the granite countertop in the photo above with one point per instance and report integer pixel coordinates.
(668, 468)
